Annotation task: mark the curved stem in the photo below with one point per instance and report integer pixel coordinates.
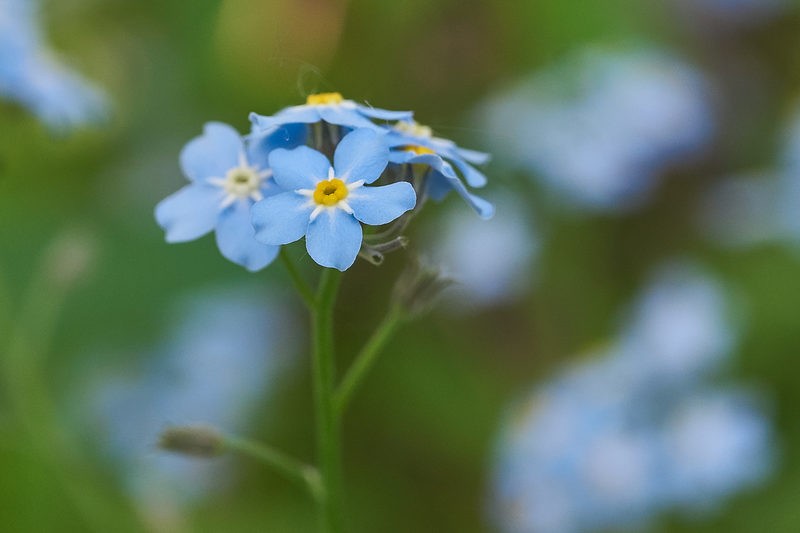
(366, 358)
(305, 475)
(300, 284)
(323, 370)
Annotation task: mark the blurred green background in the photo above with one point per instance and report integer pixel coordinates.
(419, 440)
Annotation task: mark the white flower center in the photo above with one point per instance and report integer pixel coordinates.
(241, 182)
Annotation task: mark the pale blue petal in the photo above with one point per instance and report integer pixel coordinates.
(261, 143)
(473, 156)
(473, 177)
(383, 114)
(281, 219)
(361, 155)
(301, 168)
(212, 154)
(236, 238)
(381, 205)
(334, 239)
(189, 213)
(440, 183)
(300, 114)
(344, 116)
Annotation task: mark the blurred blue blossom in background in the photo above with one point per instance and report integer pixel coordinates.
(219, 363)
(491, 262)
(599, 129)
(32, 76)
(757, 207)
(636, 429)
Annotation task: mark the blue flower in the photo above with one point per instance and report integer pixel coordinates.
(228, 176)
(32, 77)
(327, 204)
(441, 179)
(408, 133)
(331, 108)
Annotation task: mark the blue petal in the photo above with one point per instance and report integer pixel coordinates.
(261, 143)
(361, 155)
(443, 182)
(300, 114)
(344, 116)
(189, 213)
(334, 239)
(474, 178)
(383, 114)
(236, 238)
(281, 219)
(473, 156)
(301, 168)
(212, 154)
(381, 205)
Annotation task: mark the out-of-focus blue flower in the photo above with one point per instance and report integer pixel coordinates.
(31, 75)
(441, 178)
(599, 129)
(679, 330)
(716, 442)
(757, 207)
(228, 175)
(218, 364)
(611, 442)
(491, 262)
(331, 108)
(327, 204)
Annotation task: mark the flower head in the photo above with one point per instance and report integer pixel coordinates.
(331, 108)
(327, 204)
(31, 76)
(227, 177)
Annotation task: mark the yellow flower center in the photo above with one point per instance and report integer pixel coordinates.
(324, 99)
(330, 192)
(419, 150)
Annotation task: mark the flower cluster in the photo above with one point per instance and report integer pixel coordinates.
(644, 428)
(322, 170)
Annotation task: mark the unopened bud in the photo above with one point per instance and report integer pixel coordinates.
(195, 441)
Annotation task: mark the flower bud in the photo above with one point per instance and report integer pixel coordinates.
(194, 441)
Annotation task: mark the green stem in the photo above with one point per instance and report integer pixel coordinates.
(296, 471)
(323, 370)
(299, 282)
(366, 358)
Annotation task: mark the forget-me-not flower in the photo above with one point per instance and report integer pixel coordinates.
(441, 177)
(33, 77)
(327, 204)
(331, 108)
(228, 175)
(407, 133)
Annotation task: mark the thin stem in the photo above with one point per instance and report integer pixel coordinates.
(299, 282)
(323, 369)
(292, 469)
(366, 358)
